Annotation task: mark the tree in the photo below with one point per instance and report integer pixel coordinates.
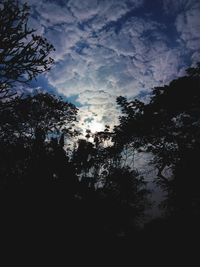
(126, 199)
(43, 112)
(116, 193)
(26, 128)
(23, 55)
(168, 126)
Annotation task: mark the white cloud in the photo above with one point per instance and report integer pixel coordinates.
(188, 25)
(171, 6)
(98, 107)
(98, 61)
(99, 13)
(186, 14)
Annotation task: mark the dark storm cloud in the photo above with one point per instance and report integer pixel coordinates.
(114, 47)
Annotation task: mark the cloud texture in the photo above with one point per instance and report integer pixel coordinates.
(107, 48)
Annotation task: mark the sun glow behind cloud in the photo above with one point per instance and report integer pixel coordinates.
(95, 126)
(92, 124)
(116, 47)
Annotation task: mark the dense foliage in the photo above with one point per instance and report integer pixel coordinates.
(169, 127)
(83, 188)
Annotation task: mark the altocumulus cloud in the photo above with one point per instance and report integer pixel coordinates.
(107, 48)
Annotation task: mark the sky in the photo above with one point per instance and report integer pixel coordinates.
(108, 48)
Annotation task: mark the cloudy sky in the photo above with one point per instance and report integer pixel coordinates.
(107, 48)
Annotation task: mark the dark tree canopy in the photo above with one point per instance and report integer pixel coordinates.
(43, 112)
(82, 188)
(169, 127)
(23, 55)
(32, 133)
(172, 116)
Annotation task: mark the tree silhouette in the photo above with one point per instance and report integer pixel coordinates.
(116, 193)
(125, 199)
(23, 55)
(168, 126)
(93, 190)
(26, 128)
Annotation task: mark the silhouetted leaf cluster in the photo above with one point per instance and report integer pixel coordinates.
(23, 55)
